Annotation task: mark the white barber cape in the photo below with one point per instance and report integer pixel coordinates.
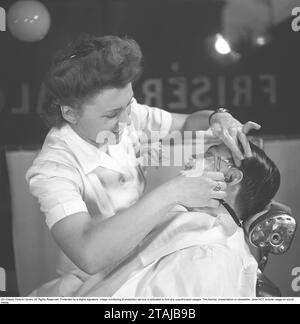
(194, 255)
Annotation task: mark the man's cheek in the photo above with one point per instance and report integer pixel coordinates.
(208, 166)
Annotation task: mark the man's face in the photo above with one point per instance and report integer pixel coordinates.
(109, 111)
(218, 158)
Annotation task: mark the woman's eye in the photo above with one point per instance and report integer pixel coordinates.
(112, 116)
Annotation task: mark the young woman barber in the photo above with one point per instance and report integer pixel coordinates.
(91, 192)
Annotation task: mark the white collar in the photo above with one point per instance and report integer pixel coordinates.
(88, 156)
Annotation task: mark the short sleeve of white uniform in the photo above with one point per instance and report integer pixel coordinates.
(151, 120)
(58, 188)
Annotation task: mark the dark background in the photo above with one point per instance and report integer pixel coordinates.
(173, 35)
(170, 32)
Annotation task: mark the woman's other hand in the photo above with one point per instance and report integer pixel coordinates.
(232, 132)
(199, 191)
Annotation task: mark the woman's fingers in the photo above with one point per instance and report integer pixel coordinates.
(213, 203)
(226, 138)
(219, 195)
(216, 176)
(249, 126)
(219, 185)
(237, 161)
(245, 144)
(231, 143)
(233, 135)
(223, 186)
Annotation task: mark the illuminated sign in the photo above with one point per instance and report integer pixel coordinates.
(2, 20)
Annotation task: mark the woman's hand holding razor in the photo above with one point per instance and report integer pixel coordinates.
(199, 190)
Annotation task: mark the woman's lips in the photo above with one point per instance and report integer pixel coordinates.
(118, 132)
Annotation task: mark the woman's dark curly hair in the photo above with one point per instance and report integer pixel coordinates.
(261, 181)
(85, 67)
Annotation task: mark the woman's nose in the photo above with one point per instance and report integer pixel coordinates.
(125, 116)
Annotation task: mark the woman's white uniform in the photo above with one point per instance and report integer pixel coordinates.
(71, 176)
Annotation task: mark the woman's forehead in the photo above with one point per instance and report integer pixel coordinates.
(110, 99)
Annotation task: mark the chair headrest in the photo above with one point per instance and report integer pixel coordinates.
(273, 229)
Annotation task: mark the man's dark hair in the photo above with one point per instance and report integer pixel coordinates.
(84, 68)
(260, 183)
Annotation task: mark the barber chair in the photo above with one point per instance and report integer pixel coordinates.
(271, 232)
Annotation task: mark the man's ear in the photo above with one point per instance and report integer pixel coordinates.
(234, 176)
(69, 114)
